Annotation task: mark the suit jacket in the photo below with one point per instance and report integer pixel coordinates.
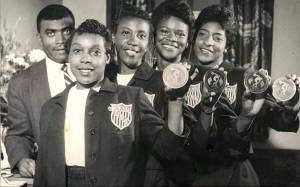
(113, 154)
(26, 94)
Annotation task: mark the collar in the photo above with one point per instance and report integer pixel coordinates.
(106, 86)
(53, 64)
(143, 72)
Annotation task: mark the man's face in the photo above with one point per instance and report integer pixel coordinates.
(171, 38)
(88, 58)
(131, 41)
(210, 43)
(53, 36)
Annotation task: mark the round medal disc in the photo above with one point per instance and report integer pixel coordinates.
(283, 89)
(215, 80)
(175, 75)
(256, 82)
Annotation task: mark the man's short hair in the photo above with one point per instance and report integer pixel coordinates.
(92, 26)
(53, 12)
(130, 11)
(177, 8)
(221, 15)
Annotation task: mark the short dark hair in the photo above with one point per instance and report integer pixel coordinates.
(53, 12)
(221, 15)
(178, 8)
(128, 10)
(131, 11)
(92, 26)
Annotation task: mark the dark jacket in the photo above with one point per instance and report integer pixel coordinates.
(113, 156)
(218, 157)
(26, 94)
(151, 81)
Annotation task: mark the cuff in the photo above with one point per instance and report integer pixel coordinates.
(168, 145)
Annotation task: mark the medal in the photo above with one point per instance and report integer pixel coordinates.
(256, 82)
(215, 80)
(283, 89)
(175, 75)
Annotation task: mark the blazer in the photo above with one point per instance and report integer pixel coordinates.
(26, 94)
(119, 125)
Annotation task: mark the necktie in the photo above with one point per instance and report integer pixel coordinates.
(67, 77)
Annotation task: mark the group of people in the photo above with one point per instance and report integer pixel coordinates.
(96, 111)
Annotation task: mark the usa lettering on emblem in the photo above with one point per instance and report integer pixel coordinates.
(193, 96)
(230, 92)
(121, 115)
(150, 98)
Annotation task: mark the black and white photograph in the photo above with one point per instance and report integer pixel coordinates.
(149, 93)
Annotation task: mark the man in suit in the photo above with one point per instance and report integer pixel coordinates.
(29, 90)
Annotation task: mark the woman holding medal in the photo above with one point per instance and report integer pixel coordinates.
(220, 147)
(132, 36)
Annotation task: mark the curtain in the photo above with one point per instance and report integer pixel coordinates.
(254, 32)
(253, 44)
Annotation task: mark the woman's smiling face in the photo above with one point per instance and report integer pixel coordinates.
(210, 43)
(171, 38)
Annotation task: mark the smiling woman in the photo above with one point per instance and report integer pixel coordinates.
(89, 54)
(172, 22)
(88, 59)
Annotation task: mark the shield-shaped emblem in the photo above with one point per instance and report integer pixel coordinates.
(121, 115)
(230, 92)
(193, 96)
(150, 98)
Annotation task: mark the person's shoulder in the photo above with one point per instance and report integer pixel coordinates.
(157, 73)
(149, 72)
(30, 72)
(57, 98)
(129, 89)
(37, 67)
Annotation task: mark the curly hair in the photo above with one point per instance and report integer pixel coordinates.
(221, 15)
(92, 26)
(128, 10)
(178, 8)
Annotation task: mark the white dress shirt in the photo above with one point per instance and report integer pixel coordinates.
(74, 126)
(56, 76)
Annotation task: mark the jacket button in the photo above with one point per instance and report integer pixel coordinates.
(92, 131)
(90, 113)
(210, 148)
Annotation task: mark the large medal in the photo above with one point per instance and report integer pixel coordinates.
(256, 82)
(175, 75)
(215, 80)
(283, 89)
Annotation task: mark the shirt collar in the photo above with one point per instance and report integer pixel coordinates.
(105, 85)
(53, 64)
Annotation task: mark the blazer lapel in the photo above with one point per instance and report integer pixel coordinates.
(144, 72)
(40, 93)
